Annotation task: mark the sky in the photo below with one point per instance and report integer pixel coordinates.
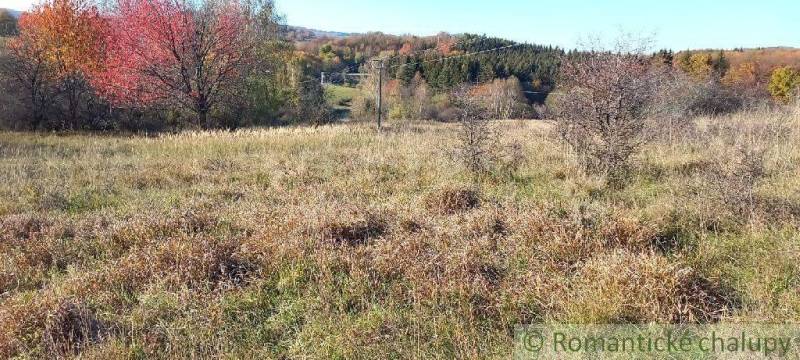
(676, 24)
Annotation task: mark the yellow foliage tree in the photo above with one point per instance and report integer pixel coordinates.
(701, 65)
(784, 83)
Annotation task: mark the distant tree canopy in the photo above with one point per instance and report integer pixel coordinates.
(166, 64)
(8, 23)
(534, 65)
(60, 42)
(156, 64)
(703, 65)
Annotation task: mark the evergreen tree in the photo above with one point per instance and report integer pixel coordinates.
(406, 72)
(486, 72)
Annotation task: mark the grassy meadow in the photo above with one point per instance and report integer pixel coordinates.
(342, 242)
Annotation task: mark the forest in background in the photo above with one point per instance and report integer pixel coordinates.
(279, 81)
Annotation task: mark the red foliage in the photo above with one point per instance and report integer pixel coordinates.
(407, 49)
(170, 50)
(445, 44)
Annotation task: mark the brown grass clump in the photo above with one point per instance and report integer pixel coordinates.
(569, 237)
(702, 301)
(197, 262)
(70, 328)
(452, 200)
(622, 231)
(355, 232)
(630, 288)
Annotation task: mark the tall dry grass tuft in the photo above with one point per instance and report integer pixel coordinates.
(71, 328)
(643, 288)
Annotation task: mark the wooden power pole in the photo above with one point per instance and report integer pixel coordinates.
(379, 66)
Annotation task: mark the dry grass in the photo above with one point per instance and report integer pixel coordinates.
(340, 242)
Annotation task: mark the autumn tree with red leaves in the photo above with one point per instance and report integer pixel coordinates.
(191, 55)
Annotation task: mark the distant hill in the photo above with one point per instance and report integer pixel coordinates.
(299, 33)
(14, 13)
(769, 58)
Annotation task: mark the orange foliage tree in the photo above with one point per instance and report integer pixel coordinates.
(742, 75)
(60, 42)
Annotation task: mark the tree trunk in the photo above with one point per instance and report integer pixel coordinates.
(202, 118)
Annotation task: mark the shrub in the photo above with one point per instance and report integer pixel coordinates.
(602, 109)
(312, 106)
(711, 98)
(741, 165)
(478, 140)
(783, 83)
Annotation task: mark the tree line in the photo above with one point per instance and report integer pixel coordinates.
(171, 64)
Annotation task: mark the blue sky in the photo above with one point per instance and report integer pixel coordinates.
(677, 24)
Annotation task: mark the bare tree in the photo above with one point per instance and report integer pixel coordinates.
(603, 108)
(477, 138)
(27, 68)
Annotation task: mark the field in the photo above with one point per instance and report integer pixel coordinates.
(340, 97)
(341, 242)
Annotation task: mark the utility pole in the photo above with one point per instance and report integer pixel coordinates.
(379, 66)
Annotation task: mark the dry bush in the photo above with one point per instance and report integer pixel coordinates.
(710, 98)
(512, 158)
(671, 111)
(603, 107)
(741, 164)
(478, 139)
(479, 147)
